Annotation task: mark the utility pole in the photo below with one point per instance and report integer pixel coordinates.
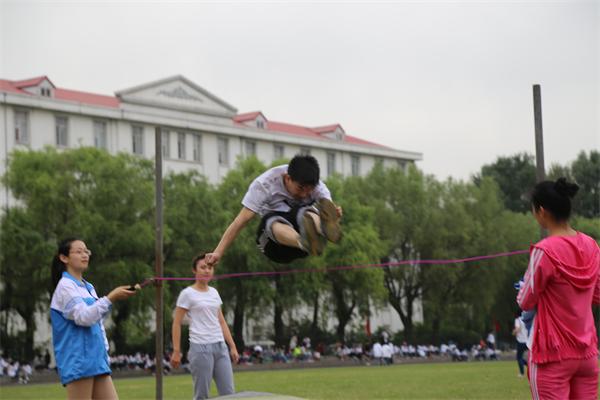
(158, 262)
(540, 172)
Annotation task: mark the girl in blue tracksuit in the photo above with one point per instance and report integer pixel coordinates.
(78, 336)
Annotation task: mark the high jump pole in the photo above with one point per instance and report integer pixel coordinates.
(158, 261)
(540, 171)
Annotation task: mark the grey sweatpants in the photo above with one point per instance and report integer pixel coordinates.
(208, 361)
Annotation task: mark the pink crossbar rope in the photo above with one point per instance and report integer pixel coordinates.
(349, 267)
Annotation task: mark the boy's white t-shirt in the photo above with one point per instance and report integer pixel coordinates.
(267, 193)
(203, 312)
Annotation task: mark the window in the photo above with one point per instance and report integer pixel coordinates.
(401, 165)
(355, 165)
(164, 141)
(181, 145)
(260, 124)
(304, 151)
(223, 148)
(45, 92)
(250, 148)
(278, 151)
(21, 127)
(100, 140)
(61, 130)
(137, 139)
(197, 148)
(330, 164)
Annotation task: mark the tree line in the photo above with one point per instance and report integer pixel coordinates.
(389, 215)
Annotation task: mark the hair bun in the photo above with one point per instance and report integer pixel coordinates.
(565, 188)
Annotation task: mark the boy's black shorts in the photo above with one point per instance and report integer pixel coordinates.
(273, 250)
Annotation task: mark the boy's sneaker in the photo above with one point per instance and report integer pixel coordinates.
(310, 239)
(330, 222)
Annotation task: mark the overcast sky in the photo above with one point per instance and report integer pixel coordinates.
(450, 79)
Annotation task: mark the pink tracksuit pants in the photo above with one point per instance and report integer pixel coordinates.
(562, 380)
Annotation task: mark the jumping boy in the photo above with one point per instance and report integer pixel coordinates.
(297, 214)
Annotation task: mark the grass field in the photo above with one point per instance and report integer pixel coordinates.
(473, 380)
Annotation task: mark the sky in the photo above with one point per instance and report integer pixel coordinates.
(450, 79)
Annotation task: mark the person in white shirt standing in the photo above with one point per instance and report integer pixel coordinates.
(377, 353)
(208, 355)
(520, 333)
(387, 352)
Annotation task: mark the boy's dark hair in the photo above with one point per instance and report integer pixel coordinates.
(199, 257)
(58, 267)
(304, 169)
(555, 197)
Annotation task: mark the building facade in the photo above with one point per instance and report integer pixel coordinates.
(200, 132)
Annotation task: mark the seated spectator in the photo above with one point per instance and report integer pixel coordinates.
(257, 354)
(25, 372)
(404, 349)
(13, 370)
(3, 366)
(444, 349)
(297, 353)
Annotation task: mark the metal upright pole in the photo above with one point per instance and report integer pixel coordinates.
(540, 172)
(158, 262)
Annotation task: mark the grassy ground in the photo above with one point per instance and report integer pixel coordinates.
(473, 380)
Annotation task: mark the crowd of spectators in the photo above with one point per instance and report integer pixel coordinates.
(15, 370)
(381, 351)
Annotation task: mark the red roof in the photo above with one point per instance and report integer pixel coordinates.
(327, 128)
(87, 98)
(61, 94)
(248, 116)
(32, 82)
(313, 133)
(8, 86)
(113, 102)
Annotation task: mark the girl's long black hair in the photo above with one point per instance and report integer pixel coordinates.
(58, 267)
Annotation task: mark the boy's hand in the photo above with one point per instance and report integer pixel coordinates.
(339, 211)
(212, 258)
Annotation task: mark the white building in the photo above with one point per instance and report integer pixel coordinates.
(200, 132)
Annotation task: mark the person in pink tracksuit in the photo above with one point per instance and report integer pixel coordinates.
(561, 283)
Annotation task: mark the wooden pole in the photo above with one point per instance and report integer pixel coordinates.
(158, 262)
(540, 172)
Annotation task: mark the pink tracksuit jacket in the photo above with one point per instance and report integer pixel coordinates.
(561, 282)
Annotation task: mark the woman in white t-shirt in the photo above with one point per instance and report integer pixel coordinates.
(208, 354)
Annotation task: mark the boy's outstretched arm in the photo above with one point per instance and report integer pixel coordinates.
(230, 234)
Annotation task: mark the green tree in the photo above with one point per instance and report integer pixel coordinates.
(586, 172)
(467, 224)
(192, 217)
(353, 290)
(106, 200)
(25, 272)
(243, 295)
(515, 176)
(403, 210)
